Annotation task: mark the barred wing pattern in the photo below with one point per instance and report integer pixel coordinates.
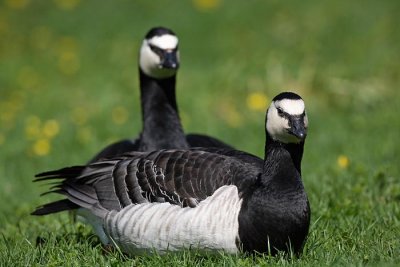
(180, 177)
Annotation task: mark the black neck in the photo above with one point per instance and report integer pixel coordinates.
(277, 212)
(153, 90)
(295, 150)
(161, 123)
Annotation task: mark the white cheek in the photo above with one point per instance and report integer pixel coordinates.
(276, 125)
(277, 128)
(148, 60)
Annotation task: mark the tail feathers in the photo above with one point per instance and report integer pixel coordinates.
(68, 182)
(81, 173)
(78, 196)
(64, 173)
(56, 206)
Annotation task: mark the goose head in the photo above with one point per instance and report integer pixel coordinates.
(286, 120)
(159, 54)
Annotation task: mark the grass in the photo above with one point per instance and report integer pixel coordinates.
(68, 79)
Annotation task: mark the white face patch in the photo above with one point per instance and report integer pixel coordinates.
(150, 62)
(165, 42)
(278, 126)
(291, 106)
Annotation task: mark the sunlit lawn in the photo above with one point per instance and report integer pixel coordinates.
(69, 86)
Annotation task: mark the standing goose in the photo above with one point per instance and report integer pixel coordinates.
(205, 198)
(162, 129)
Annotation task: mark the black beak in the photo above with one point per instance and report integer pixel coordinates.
(297, 127)
(169, 60)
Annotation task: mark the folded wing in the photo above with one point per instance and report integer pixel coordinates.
(180, 177)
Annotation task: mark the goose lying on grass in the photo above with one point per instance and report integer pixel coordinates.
(203, 198)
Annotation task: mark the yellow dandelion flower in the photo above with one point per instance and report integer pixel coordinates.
(68, 63)
(41, 147)
(84, 135)
(207, 5)
(79, 116)
(50, 128)
(17, 4)
(343, 162)
(66, 4)
(32, 127)
(257, 101)
(120, 115)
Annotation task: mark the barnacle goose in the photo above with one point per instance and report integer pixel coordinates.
(204, 198)
(162, 129)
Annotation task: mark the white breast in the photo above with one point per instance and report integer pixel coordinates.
(212, 225)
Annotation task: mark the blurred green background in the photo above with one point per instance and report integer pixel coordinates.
(69, 86)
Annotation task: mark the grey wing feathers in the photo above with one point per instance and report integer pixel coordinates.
(181, 177)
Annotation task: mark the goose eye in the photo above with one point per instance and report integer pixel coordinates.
(155, 49)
